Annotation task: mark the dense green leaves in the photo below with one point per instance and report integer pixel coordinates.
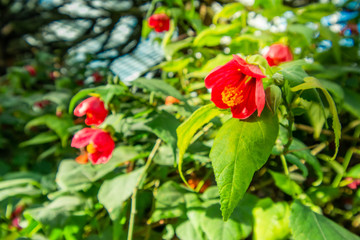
(308, 225)
(236, 155)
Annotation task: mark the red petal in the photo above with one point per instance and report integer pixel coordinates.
(259, 96)
(226, 74)
(83, 137)
(249, 69)
(102, 141)
(248, 106)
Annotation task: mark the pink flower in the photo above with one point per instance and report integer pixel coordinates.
(99, 144)
(237, 85)
(160, 22)
(278, 53)
(94, 109)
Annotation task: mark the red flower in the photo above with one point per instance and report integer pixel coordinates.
(278, 53)
(97, 77)
(169, 100)
(94, 109)
(160, 22)
(99, 144)
(354, 184)
(237, 85)
(31, 70)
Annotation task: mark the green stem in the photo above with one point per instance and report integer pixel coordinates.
(138, 185)
(283, 161)
(340, 175)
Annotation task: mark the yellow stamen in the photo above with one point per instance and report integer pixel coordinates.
(90, 148)
(232, 96)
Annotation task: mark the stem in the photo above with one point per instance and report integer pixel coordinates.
(139, 182)
(202, 182)
(283, 161)
(347, 159)
(290, 118)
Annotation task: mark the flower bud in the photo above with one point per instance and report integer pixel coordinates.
(278, 79)
(273, 97)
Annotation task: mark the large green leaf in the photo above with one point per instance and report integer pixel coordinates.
(311, 83)
(271, 220)
(308, 225)
(114, 192)
(187, 129)
(241, 148)
(59, 125)
(41, 138)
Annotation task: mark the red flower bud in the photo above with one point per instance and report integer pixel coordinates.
(354, 184)
(160, 22)
(278, 53)
(41, 104)
(237, 85)
(171, 100)
(31, 70)
(99, 144)
(94, 109)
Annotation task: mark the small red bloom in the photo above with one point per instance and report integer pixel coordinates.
(278, 53)
(169, 100)
(237, 85)
(31, 70)
(354, 184)
(160, 22)
(97, 77)
(94, 109)
(99, 144)
(41, 104)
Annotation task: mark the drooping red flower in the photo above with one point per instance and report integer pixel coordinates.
(160, 22)
(278, 53)
(237, 85)
(99, 144)
(31, 70)
(94, 109)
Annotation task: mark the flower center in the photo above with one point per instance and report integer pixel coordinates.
(90, 148)
(232, 96)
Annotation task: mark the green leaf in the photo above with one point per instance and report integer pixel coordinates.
(186, 231)
(299, 149)
(56, 213)
(41, 138)
(212, 36)
(106, 94)
(114, 192)
(170, 202)
(302, 30)
(323, 194)
(171, 48)
(286, 185)
(228, 11)
(311, 83)
(175, 65)
(20, 191)
(271, 220)
(308, 225)
(354, 172)
(238, 226)
(158, 86)
(296, 161)
(295, 74)
(164, 125)
(236, 156)
(188, 128)
(220, 59)
(351, 102)
(59, 125)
